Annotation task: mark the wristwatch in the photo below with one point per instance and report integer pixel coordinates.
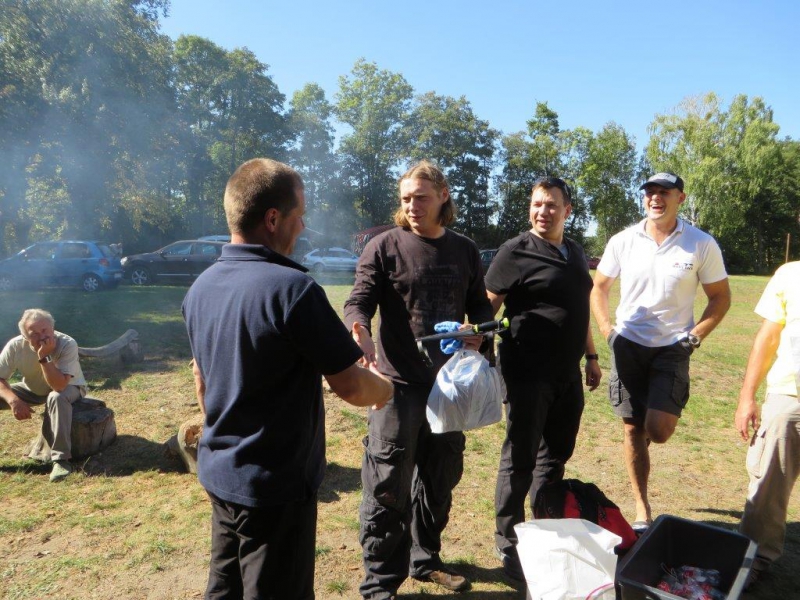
(592, 357)
(46, 359)
(690, 342)
(693, 340)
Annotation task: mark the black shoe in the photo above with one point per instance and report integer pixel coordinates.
(511, 565)
(447, 579)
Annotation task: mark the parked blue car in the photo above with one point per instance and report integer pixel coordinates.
(88, 265)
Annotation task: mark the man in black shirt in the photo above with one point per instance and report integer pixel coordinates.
(418, 274)
(543, 279)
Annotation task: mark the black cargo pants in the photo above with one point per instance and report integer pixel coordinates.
(408, 475)
(542, 421)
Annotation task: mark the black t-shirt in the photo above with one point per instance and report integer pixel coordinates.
(416, 282)
(547, 302)
(261, 332)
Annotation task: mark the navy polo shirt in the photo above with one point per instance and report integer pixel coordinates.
(262, 333)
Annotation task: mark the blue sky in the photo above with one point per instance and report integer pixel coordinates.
(592, 61)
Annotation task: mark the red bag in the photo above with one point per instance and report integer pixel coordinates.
(574, 499)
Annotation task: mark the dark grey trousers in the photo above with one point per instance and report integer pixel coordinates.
(542, 422)
(264, 553)
(408, 475)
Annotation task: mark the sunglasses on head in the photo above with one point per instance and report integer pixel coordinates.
(556, 182)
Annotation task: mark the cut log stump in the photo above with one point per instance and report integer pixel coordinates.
(126, 346)
(184, 445)
(93, 430)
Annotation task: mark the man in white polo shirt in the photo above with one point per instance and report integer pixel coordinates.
(660, 262)
(773, 460)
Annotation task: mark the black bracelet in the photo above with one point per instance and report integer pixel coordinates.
(592, 357)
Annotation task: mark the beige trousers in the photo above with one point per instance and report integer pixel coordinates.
(773, 463)
(57, 417)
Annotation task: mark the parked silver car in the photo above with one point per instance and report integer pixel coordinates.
(330, 259)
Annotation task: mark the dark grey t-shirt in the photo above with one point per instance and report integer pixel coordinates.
(547, 302)
(416, 282)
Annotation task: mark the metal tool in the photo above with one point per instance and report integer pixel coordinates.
(489, 329)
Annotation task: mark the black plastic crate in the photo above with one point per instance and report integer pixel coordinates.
(675, 542)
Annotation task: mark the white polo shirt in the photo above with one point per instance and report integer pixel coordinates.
(658, 284)
(780, 303)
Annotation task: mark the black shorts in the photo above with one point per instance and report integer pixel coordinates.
(643, 378)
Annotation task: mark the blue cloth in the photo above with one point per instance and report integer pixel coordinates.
(449, 346)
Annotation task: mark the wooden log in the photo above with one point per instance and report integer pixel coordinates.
(93, 429)
(126, 346)
(185, 443)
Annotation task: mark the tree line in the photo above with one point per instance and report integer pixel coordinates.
(110, 130)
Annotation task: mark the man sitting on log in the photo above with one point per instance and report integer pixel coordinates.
(51, 375)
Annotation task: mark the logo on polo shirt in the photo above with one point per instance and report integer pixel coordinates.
(683, 266)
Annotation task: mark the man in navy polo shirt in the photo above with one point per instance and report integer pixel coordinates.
(660, 261)
(262, 332)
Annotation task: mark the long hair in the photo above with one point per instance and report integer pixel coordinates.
(429, 172)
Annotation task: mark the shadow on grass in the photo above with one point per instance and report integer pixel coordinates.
(27, 467)
(781, 580)
(736, 514)
(130, 454)
(338, 479)
(482, 575)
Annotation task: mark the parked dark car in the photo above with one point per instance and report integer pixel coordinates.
(88, 265)
(487, 256)
(180, 262)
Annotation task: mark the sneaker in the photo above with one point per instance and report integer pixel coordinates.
(61, 468)
(511, 565)
(757, 571)
(447, 579)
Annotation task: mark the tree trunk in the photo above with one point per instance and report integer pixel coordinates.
(93, 430)
(185, 443)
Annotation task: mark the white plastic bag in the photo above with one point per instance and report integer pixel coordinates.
(566, 559)
(468, 393)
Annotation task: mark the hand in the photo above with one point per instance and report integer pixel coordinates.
(593, 374)
(364, 340)
(20, 409)
(747, 414)
(381, 403)
(47, 346)
(472, 342)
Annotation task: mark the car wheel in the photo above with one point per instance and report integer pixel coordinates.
(91, 283)
(6, 283)
(140, 276)
(318, 268)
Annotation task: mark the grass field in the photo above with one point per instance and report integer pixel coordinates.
(130, 524)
